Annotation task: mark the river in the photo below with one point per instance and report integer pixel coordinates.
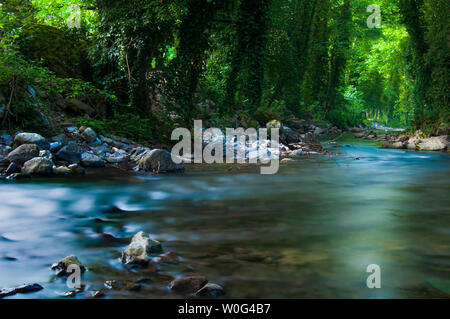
(309, 231)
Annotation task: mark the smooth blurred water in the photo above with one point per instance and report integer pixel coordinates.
(308, 232)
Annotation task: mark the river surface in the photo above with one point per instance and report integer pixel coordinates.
(309, 231)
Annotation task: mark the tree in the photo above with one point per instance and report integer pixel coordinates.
(249, 53)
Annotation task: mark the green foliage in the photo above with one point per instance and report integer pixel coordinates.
(58, 13)
(167, 62)
(28, 88)
(63, 53)
(131, 47)
(132, 126)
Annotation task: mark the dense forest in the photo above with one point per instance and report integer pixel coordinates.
(139, 68)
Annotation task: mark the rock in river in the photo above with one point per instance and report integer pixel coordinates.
(62, 266)
(38, 166)
(89, 159)
(24, 289)
(76, 169)
(167, 258)
(23, 153)
(32, 138)
(437, 143)
(188, 285)
(70, 153)
(118, 156)
(394, 144)
(62, 170)
(12, 168)
(140, 248)
(159, 161)
(210, 290)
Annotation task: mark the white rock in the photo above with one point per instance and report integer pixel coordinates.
(140, 248)
(437, 143)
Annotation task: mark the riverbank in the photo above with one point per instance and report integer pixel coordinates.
(76, 149)
(418, 141)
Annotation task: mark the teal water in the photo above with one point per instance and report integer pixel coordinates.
(309, 231)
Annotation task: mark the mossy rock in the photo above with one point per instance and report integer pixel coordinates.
(60, 51)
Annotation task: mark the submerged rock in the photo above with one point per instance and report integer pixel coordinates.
(167, 258)
(210, 290)
(188, 285)
(24, 289)
(38, 166)
(287, 160)
(23, 153)
(160, 161)
(127, 286)
(96, 294)
(32, 138)
(140, 248)
(61, 267)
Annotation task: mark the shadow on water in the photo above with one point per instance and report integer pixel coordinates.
(309, 231)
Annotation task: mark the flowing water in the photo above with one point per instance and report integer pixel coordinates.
(309, 231)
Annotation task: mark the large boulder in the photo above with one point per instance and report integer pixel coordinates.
(140, 248)
(32, 138)
(23, 153)
(159, 161)
(89, 159)
(38, 166)
(70, 153)
(437, 143)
